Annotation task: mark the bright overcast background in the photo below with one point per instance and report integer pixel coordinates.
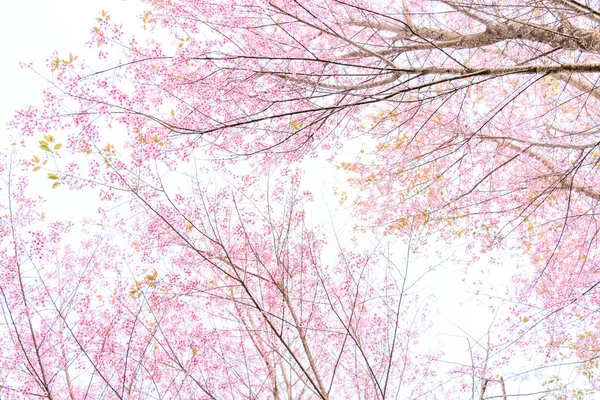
(31, 31)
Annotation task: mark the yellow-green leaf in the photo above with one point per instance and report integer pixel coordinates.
(49, 138)
(43, 143)
(45, 148)
(172, 112)
(153, 276)
(36, 168)
(55, 185)
(57, 146)
(52, 176)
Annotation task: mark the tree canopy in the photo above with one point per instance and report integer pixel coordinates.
(469, 122)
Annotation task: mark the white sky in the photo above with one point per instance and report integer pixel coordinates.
(30, 30)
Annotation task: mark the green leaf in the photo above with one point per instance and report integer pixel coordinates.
(52, 176)
(152, 276)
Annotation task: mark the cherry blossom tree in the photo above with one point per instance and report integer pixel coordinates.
(243, 305)
(469, 120)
